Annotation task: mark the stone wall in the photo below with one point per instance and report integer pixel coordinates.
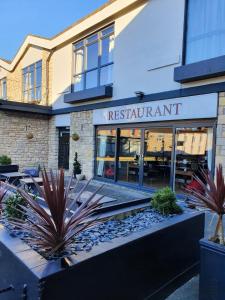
(53, 145)
(81, 123)
(14, 128)
(220, 139)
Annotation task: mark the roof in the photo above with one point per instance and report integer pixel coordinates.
(105, 12)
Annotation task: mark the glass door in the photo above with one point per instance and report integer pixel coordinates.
(193, 153)
(105, 153)
(158, 145)
(129, 155)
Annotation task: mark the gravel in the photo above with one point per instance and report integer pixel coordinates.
(112, 229)
(101, 233)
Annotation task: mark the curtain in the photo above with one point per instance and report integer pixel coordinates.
(205, 30)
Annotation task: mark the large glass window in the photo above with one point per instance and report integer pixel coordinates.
(32, 82)
(105, 152)
(154, 157)
(93, 58)
(193, 154)
(205, 30)
(3, 89)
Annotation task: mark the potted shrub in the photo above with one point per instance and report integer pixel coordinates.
(77, 168)
(164, 201)
(6, 165)
(5, 160)
(212, 270)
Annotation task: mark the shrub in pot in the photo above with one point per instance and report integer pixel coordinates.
(212, 197)
(77, 168)
(12, 206)
(5, 160)
(164, 201)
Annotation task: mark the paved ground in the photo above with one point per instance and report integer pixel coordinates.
(189, 291)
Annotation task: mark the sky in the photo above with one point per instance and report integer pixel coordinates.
(39, 17)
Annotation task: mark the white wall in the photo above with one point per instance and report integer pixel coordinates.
(3, 73)
(32, 55)
(148, 47)
(61, 75)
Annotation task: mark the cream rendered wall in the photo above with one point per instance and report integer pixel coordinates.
(3, 73)
(61, 75)
(148, 47)
(32, 55)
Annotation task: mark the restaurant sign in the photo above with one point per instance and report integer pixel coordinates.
(194, 107)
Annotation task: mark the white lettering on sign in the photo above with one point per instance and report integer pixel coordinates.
(194, 107)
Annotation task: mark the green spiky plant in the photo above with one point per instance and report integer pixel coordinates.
(12, 206)
(212, 197)
(54, 230)
(164, 201)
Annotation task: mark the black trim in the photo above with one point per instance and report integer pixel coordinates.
(47, 110)
(185, 27)
(209, 68)
(25, 107)
(100, 92)
(186, 92)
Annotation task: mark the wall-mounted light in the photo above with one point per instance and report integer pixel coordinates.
(139, 94)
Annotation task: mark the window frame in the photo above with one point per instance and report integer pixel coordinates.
(184, 42)
(84, 43)
(169, 124)
(32, 90)
(3, 82)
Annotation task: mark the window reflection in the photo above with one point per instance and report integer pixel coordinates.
(93, 59)
(129, 155)
(193, 154)
(106, 144)
(157, 157)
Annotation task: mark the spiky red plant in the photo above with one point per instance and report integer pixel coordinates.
(54, 229)
(211, 197)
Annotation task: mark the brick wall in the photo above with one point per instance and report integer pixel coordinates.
(220, 138)
(81, 123)
(13, 138)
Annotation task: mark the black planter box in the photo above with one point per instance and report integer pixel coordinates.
(212, 271)
(9, 168)
(144, 265)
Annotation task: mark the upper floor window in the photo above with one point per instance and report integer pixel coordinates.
(94, 60)
(32, 82)
(205, 30)
(3, 88)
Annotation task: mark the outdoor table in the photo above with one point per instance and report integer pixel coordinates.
(13, 176)
(29, 181)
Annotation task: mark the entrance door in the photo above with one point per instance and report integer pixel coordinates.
(158, 146)
(129, 155)
(64, 148)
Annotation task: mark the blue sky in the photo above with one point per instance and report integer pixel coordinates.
(41, 17)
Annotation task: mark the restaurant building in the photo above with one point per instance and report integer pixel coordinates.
(142, 83)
